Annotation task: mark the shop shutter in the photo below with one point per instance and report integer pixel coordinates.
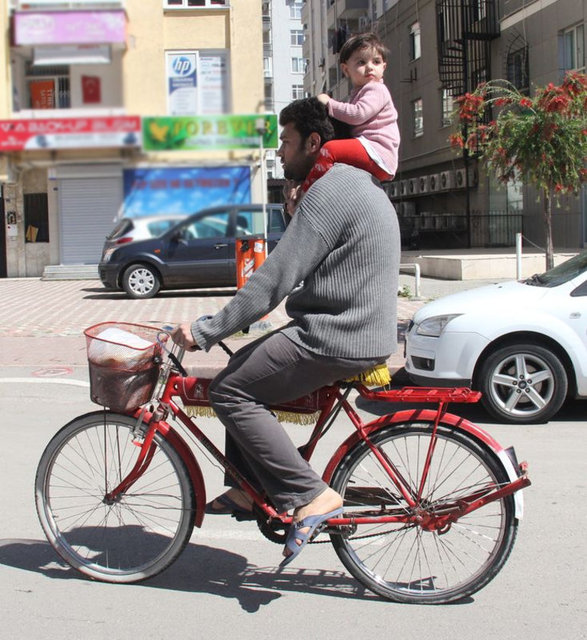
(88, 207)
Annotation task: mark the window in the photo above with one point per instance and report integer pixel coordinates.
(295, 9)
(296, 37)
(447, 108)
(36, 217)
(572, 49)
(297, 91)
(266, 37)
(415, 45)
(298, 65)
(267, 67)
(517, 69)
(213, 225)
(189, 4)
(418, 117)
(269, 97)
(47, 87)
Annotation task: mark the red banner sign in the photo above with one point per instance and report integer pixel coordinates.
(70, 133)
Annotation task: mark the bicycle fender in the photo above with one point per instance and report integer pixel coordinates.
(429, 415)
(194, 470)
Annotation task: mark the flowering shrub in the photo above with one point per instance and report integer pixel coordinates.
(541, 140)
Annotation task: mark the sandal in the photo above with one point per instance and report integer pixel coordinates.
(296, 540)
(227, 506)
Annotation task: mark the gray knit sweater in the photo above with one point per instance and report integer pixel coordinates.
(343, 242)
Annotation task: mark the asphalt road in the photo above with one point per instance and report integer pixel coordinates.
(225, 585)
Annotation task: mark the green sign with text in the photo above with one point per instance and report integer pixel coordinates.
(208, 133)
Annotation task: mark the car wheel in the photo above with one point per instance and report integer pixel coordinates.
(141, 281)
(523, 383)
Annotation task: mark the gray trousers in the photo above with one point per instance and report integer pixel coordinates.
(270, 371)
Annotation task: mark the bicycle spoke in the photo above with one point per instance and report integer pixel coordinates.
(409, 562)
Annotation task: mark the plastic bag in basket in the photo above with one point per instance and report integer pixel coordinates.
(124, 364)
(107, 349)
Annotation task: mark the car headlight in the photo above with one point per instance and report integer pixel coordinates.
(108, 254)
(434, 326)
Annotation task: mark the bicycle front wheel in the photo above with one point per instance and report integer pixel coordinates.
(404, 562)
(128, 539)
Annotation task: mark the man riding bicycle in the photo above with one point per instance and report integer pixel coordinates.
(343, 245)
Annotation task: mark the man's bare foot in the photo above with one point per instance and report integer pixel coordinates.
(329, 500)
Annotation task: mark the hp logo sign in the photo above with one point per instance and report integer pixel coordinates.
(182, 66)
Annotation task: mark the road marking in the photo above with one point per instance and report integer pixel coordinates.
(75, 383)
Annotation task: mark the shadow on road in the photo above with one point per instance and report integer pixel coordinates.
(203, 569)
(100, 293)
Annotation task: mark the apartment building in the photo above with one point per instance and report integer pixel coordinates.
(438, 50)
(284, 67)
(123, 106)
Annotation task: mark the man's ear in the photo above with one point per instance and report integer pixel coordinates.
(313, 142)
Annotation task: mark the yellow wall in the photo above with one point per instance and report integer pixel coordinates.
(5, 78)
(152, 31)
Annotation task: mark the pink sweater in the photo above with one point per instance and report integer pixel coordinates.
(373, 119)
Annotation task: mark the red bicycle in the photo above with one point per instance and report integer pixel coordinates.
(431, 501)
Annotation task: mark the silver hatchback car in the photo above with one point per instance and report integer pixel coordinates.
(131, 229)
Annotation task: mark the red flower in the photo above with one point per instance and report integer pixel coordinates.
(525, 102)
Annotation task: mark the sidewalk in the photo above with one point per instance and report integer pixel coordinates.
(35, 310)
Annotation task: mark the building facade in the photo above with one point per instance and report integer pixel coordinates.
(284, 67)
(438, 49)
(122, 106)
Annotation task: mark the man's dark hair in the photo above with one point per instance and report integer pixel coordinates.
(308, 115)
(362, 41)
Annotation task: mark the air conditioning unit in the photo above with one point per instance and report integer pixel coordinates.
(434, 182)
(460, 178)
(424, 184)
(447, 180)
(393, 190)
(406, 208)
(413, 187)
(403, 188)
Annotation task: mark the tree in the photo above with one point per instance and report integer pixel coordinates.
(541, 140)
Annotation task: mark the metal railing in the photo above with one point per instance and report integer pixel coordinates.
(455, 230)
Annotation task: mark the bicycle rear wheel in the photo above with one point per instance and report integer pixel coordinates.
(126, 540)
(404, 562)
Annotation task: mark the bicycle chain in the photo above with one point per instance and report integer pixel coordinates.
(366, 535)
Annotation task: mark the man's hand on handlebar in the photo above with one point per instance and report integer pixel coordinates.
(182, 336)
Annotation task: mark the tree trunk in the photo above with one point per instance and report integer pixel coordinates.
(548, 228)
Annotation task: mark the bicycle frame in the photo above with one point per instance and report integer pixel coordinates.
(332, 401)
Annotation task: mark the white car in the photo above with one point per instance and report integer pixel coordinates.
(523, 344)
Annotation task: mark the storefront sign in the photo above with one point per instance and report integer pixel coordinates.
(70, 133)
(69, 27)
(182, 85)
(183, 190)
(208, 133)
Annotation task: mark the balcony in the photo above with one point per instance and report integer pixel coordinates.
(464, 30)
(346, 10)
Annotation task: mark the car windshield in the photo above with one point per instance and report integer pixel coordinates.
(560, 274)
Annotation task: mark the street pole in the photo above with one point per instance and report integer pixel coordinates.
(260, 126)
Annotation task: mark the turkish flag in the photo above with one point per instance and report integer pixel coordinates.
(91, 90)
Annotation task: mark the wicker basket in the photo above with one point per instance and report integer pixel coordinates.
(124, 361)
